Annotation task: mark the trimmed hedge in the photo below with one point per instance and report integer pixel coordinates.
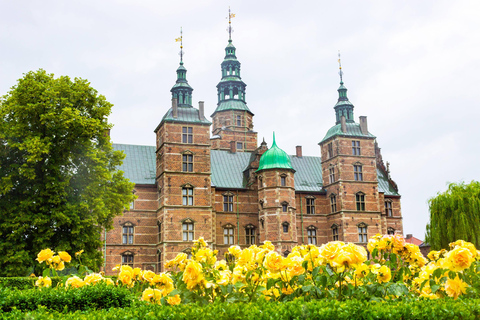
(24, 283)
(98, 296)
(261, 309)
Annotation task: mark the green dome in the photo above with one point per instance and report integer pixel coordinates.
(275, 158)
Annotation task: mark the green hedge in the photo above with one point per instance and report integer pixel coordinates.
(259, 310)
(60, 299)
(23, 283)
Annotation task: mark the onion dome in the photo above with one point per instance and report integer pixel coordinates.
(275, 158)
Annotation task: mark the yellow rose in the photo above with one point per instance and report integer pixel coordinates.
(384, 274)
(64, 256)
(43, 282)
(330, 250)
(359, 253)
(464, 244)
(200, 242)
(235, 251)
(192, 275)
(74, 282)
(93, 278)
(221, 265)
(148, 275)
(60, 266)
(225, 277)
(274, 262)
(175, 300)
(459, 258)
(152, 295)
(163, 282)
(126, 275)
(361, 271)
(179, 261)
(246, 256)
(78, 253)
(455, 287)
(343, 260)
(268, 245)
(44, 255)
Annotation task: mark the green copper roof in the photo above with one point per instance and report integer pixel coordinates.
(232, 105)
(227, 169)
(185, 114)
(139, 163)
(275, 158)
(182, 85)
(353, 130)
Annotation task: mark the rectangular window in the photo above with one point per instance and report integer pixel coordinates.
(239, 146)
(283, 181)
(388, 208)
(362, 234)
(227, 235)
(250, 235)
(127, 260)
(127, 235)
(285, 227)
(335, 233)
(239, 121)
(187, 134)
(358, 173)
(187, 194)
(228, 203)
(284, 208)
(332, 174)
(329, 150)
(310, 206)
(333, 203)
(187, 228)
(187, 163)
(312, 236)
(360, 199)
(356, 148)
(159, 232)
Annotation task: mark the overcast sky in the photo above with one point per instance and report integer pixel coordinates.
(411, 67)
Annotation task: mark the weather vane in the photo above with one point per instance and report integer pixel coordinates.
(230, 30)
(340, 67)
(180, 39)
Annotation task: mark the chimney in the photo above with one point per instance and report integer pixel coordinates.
(343, 124)
(299, 151)
(233, 146)
(174, 108)
(201, 110)
(363, 125)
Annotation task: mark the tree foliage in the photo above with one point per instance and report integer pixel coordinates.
(455, 214)
(59, 183)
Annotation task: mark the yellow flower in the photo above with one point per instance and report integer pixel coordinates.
(330, 250)
(246, 256)
(78, 253)
(152, 295)
(175, 300)
(268, 245)
(179, 261)
(235, 250)
(225, 277)
(193, 275)
(93, 278)
(361, 271)
(464, 244)
(384, 274)
(60, 266)
(221, 265)
(200, 242)
(163, 282)
(459, 259)
(44, 255)
(43, 282)
(64, 256)
(147, 275)
(274, 262)
(116, 268)
(126, 275)
(455, 287)
(74, 282)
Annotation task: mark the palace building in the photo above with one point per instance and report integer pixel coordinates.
(212, 179)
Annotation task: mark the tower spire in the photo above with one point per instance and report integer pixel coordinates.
(230, 16)
(343, 108)
(340, 67)
(182, 90)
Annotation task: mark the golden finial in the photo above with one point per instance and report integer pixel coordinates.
(180, 39)
(340, 67)
(230, 30)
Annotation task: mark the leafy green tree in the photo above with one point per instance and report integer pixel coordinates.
(59, 183)
(455, 215)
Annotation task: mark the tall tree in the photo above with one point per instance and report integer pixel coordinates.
(59, 183)
(454, 215)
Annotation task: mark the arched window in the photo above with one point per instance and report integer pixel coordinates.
(284, 206)
(188, 252)
(127, 258)
(286, 253)
(228, 234)
(335, 232)
(250, 234)
(127, 233)
(312, 235)
(360, 201)
(188, 230)
(362, 233)
(285, 226)
(391, 231)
